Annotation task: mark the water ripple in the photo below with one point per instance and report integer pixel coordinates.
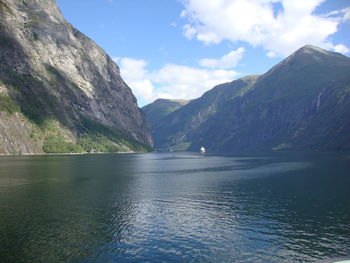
(177, 207)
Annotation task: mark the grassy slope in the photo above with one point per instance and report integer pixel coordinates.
(160, 108)
(50, 127)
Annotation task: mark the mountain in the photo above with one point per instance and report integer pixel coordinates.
(59, 91)
(160, 108)
(303, 103)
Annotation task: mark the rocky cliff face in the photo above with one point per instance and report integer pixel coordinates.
(303, 103)
(67, 89)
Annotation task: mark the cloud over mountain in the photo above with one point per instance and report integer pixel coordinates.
(279, 26)
(229, 60)
(172, 80)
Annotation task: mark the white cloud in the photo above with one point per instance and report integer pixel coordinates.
(183, 82)
(189, 31)
(134, 73)
(229, 60)
(133, 69)
(271, 54)
(341, 48)
(341, 15)
(259, 23)
(346, 16)
(171, 81)
(337, 48)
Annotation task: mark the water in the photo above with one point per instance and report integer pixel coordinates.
(174, 207)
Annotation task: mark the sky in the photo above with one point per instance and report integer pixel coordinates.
(178, 49)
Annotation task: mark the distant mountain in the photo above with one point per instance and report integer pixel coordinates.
(59, 91)
(160, 108)
(303, 103)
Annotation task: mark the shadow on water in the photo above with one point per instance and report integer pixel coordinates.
(56, 206)
(179, 207)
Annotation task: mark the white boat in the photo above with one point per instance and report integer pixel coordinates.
(202, 150)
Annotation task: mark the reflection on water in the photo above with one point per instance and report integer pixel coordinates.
(174, 207)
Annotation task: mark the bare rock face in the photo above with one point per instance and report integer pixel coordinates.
(54, 73)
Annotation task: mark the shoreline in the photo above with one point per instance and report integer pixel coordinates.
(85, 153)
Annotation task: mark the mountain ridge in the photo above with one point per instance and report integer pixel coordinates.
(160, 108)
(299, 104)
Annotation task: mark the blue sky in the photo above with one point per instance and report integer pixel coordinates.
(181, 48)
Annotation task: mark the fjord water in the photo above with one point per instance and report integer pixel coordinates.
(175, 207)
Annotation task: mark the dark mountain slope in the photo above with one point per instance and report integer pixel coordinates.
(302, 103)
(185, 124)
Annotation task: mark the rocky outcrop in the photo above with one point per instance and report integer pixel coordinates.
(55, 74)
(303, 103)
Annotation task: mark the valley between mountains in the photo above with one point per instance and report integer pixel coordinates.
(302, 103)
(61, 93)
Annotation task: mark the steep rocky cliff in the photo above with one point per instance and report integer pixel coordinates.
(59, 91)
(303, 103)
